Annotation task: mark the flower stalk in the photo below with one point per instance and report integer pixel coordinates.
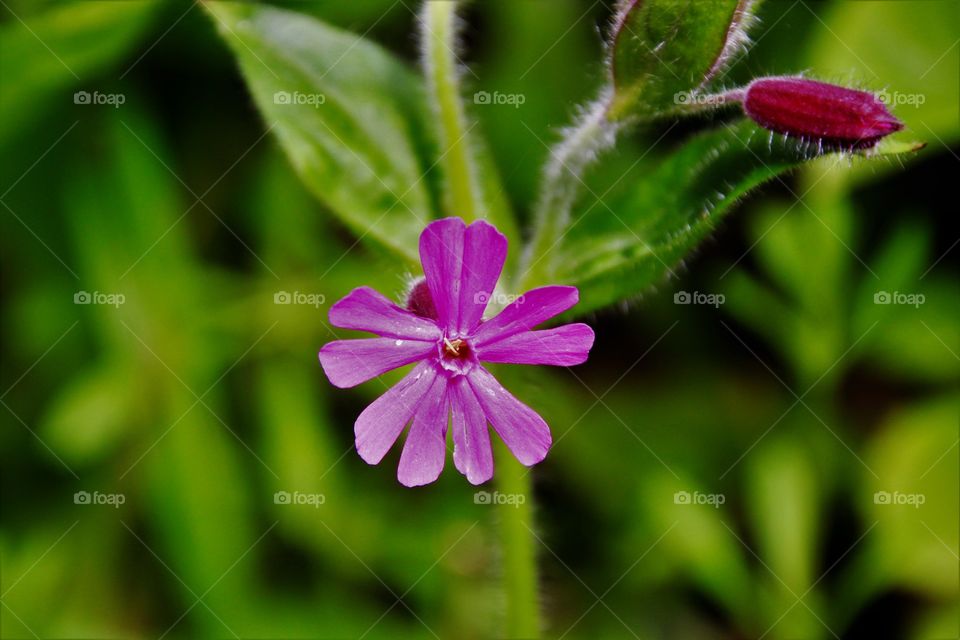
(518, 548)
(591, 135)
(463, 196)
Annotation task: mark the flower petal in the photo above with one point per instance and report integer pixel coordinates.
(441, 254)
(472, 454)
(364, 309)
(380, 424)
(426, 447)
(521, 428)
(526, 312)
(347, 363)
(563, 346)
(484, 252)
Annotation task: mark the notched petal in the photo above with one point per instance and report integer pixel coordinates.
(564, 346)
(521, 428)
(365, 309)
(380, 424)
(348, 363)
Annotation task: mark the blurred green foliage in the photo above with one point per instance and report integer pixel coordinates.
(198, 398)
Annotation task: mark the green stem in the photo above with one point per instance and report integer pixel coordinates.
(592, 134)
(438, 37)
(518, 546)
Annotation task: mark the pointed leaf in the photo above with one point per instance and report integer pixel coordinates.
(665, 49)
(347, 113)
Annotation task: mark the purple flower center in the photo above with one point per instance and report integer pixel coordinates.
(457, 349)
(456, 355)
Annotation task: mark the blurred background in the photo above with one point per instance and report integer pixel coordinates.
(777, 461)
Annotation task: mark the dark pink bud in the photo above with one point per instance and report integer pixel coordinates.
(832, 116)
(419, 300)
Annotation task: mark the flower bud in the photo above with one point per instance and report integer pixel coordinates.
(419, 300)
(833, 117)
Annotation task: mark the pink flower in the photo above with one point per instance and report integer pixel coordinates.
(834, 117)
(444, 333)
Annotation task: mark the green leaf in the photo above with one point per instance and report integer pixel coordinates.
(915, 342)
(811, 333)
(783, 504)
(912, 453)
(88, 418)
(299, 441)
(910, 504)
(662, 48)
(200, 502)
(700, 539)
(615, 251)
(62, 48)
(347, 113)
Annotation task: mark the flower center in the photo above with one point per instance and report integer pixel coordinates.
(456, 355)
(456, 349)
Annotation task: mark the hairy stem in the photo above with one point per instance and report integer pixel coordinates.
(519, 550)
(462, 195)
(582, 143)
